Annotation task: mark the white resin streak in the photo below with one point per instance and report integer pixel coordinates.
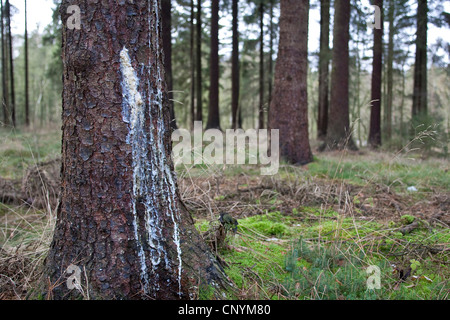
(172, 207)
(133, 106)
(152, 178)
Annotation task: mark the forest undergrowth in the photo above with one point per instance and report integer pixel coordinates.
(350, 225)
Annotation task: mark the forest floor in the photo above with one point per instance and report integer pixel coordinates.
(350, 225)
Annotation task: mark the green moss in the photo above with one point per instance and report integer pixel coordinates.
(270, 224)
(407, 219)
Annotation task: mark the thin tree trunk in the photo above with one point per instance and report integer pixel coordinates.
(324, 63)
(121, 225)
(213, 114)
(261, 66)
(199, 113)
(235, 76)
(192, 118)
(375, 114)
(390, 69)
(419, 107)
(11, 65)
(166, 15)
(272, 36)
(27, 101)
(338, 130)
(289, 108)
(5, 85)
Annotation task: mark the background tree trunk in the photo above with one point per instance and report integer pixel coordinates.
(120, 219)
(12, 106)
(324, 64)
(270, 81)
(5, 85)
(27, 103)
(235, 76)
(166, 13)
(338, 130)
(375, 114)
(419, 106)
(261, 66)
(213, 114)
(199, 113)
(390, 71)
(289, 107)
(192, 41)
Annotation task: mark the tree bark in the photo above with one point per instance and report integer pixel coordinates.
(27, 103)
(166, 14)
(5, 85)
(375, 114)
(199, 112)
(120, 220)
(289, 107)
(261, 66)
(324, 63)
(419, 107)
(338, 130)
(213, 114)
(235, 76)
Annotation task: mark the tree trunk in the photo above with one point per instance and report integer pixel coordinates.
(270, 82)
(121, 225)
(375, 114)
(338, 130)
(199, 113)
(192, 40)
(27, 103)
(5, 85)
(261, 66)
(235, 76)
(324, 63)
(166, 15)
(419, 107)
(213, 114)
(12, 106)
(289, 107)
(390, 70)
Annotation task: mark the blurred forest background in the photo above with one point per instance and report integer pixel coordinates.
(32, 70)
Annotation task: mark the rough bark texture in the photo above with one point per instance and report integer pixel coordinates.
(338, 130)
(289, 107)
(213, 111)
(324, 64)
(377, 68)
(198, 57)
(235, 76)
(166, 14)
(120, 219)
(419, 106)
